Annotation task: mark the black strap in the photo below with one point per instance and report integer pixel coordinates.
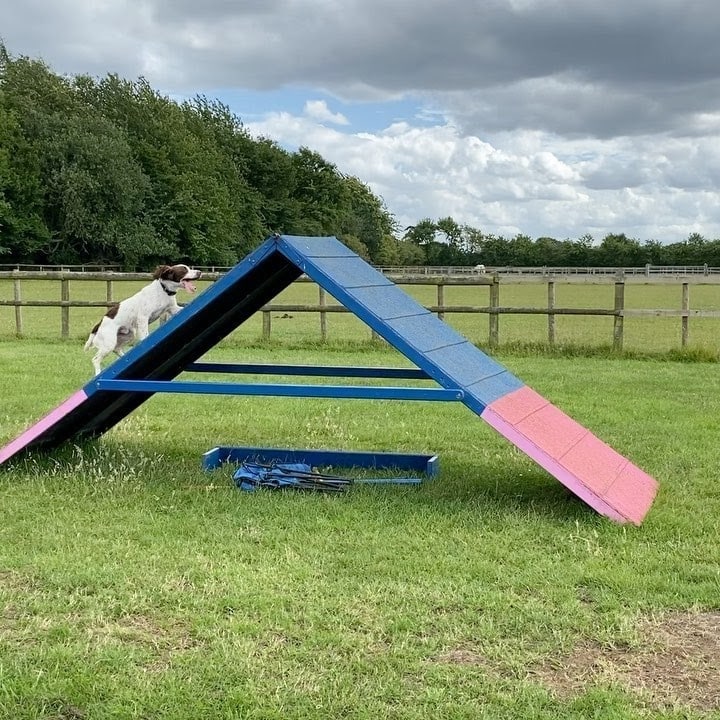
(167, 292)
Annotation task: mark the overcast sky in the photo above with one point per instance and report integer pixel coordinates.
(546, 117)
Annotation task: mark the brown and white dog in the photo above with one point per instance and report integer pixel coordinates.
(129, 319)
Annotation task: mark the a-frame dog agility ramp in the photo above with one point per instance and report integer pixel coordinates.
(596, 473)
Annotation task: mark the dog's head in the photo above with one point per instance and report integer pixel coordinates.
(174, 277)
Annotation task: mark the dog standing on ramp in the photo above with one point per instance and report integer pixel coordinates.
(128, 320)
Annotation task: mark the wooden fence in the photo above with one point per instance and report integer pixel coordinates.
(493, 310)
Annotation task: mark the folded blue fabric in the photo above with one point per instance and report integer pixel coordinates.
(293, 476)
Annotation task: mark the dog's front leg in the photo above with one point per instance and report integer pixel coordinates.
(173, 309)
(142, 330)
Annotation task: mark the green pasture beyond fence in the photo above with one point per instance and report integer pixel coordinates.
(639, 313)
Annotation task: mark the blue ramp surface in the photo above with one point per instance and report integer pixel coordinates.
(445, 355)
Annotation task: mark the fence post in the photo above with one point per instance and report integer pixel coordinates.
(551, 315)
(685, 318)
(267, 325)
(109, 291)
(494, 317)
(619, 309)
(65, 309)
(441, 299)
(323, 314)
(17, 297)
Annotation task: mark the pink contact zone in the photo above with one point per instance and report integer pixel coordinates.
(591, 469)
(41, 426)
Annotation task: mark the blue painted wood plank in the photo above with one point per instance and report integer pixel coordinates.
(309, 370)
(427, 464)
(314, 247)
(443, 353)
(279, 390)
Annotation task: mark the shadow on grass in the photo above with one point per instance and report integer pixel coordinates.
(505, 489)
(509, 488)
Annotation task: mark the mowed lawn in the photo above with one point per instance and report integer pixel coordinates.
(134, 585)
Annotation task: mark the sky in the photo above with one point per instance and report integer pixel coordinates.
(555, 118)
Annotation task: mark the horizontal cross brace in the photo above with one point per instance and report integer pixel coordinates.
(309, 370)
(281, 390)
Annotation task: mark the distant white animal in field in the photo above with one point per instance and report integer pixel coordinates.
(129, 319)
(479, 269)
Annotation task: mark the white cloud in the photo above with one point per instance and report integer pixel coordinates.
(319, 110)
(529, 183)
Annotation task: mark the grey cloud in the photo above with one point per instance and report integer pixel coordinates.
(564, 66)
(565, 106)
(427, 45)
(618, 173)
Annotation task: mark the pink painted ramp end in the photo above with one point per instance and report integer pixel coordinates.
(34, 431)
(591, 469)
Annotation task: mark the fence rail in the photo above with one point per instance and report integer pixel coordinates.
(494, 309)
(425, 270)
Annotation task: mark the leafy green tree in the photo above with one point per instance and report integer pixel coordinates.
(321, 193)
(271, 173)
(579, 253)
(452, 232)
(12, 236)
(356, 245)
(522, 251)
(496, 251)
(422, 233)
(364, 216)
(22, 227)
(235, 224)
(618, 250)
(94, 194)
(410, 254)
(550, 252)
(654, 252)
(388, 253)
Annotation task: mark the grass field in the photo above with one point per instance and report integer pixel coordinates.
(642, 334)
(133, 585)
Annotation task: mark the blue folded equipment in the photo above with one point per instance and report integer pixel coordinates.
(286, 476)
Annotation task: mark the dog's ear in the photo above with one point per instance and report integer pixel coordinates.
(159, 271)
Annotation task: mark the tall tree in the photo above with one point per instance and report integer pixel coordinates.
(320, 193)
(364, 216)
(422, 233)
(618, 250)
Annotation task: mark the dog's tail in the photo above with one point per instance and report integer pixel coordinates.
(91, 337)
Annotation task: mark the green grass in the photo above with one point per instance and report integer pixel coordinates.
(133, 585)
(642, 334)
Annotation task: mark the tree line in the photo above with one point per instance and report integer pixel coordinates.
(109, 170)
(446, 242)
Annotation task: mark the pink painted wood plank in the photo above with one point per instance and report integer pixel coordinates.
(587, 466)
(596, 463)
(34, 431)
(632, 493)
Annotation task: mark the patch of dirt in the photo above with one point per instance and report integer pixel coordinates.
(463, 657)
(13, 581)
(676, 662)
(13, 584)
(162, 640)
(63, 711)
